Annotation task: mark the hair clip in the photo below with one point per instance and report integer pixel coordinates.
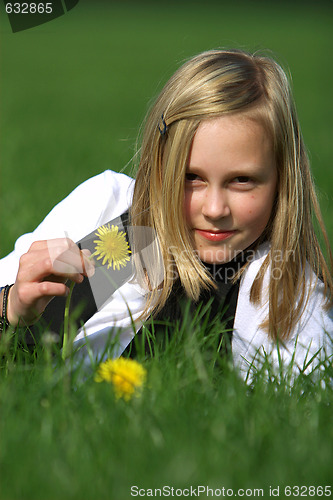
(165, 127)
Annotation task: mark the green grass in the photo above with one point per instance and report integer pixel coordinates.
(63, 435)
(73, 94)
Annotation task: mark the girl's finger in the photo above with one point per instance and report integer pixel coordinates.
(71, 262)
(87, 263)
(28, 300)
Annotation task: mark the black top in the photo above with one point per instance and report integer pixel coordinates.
(222, 301)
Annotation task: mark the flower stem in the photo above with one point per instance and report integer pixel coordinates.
(66, 322)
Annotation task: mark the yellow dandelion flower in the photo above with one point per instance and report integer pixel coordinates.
(126, 375)
(112, 247)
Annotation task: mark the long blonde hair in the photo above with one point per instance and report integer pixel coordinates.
(209, 85)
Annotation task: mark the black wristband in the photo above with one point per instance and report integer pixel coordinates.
(4, 323)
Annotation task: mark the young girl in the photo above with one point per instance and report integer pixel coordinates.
(225, 185)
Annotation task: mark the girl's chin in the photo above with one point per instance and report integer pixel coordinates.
(217, 257)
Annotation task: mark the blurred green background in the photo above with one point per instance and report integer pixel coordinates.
(75, 90)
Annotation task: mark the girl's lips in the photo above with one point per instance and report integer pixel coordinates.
(215, 235)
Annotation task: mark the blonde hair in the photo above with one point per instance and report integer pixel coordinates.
(209, 85)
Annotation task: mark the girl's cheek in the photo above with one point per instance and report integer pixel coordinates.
(188, 207)
(192, 202)
(255, 210)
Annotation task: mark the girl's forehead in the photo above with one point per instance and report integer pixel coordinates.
(231, 129)
(231, 142)
(232, 121)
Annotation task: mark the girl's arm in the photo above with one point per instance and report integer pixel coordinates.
(31, 264)
(94, 202)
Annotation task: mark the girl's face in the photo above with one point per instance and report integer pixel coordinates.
(230, 186)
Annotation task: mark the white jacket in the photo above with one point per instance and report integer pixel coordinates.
(108, 195)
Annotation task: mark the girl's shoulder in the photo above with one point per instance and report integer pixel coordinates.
(257, 257)
(107, 195)
(315, 316)
(92, 203)
(311, 338)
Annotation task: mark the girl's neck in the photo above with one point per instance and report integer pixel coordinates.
(226, 271)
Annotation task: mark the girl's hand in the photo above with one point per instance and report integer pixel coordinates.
(42, 275)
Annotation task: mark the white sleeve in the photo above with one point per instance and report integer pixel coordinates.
(92, 203)
(311, 340)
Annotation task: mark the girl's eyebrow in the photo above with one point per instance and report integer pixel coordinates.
(248, 169)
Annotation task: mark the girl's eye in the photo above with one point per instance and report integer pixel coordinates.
(191, 177)
(242, 179)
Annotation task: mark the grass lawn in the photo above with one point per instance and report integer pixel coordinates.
(196, 423)
(73, 94)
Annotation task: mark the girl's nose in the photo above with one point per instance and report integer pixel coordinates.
(215, 204)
